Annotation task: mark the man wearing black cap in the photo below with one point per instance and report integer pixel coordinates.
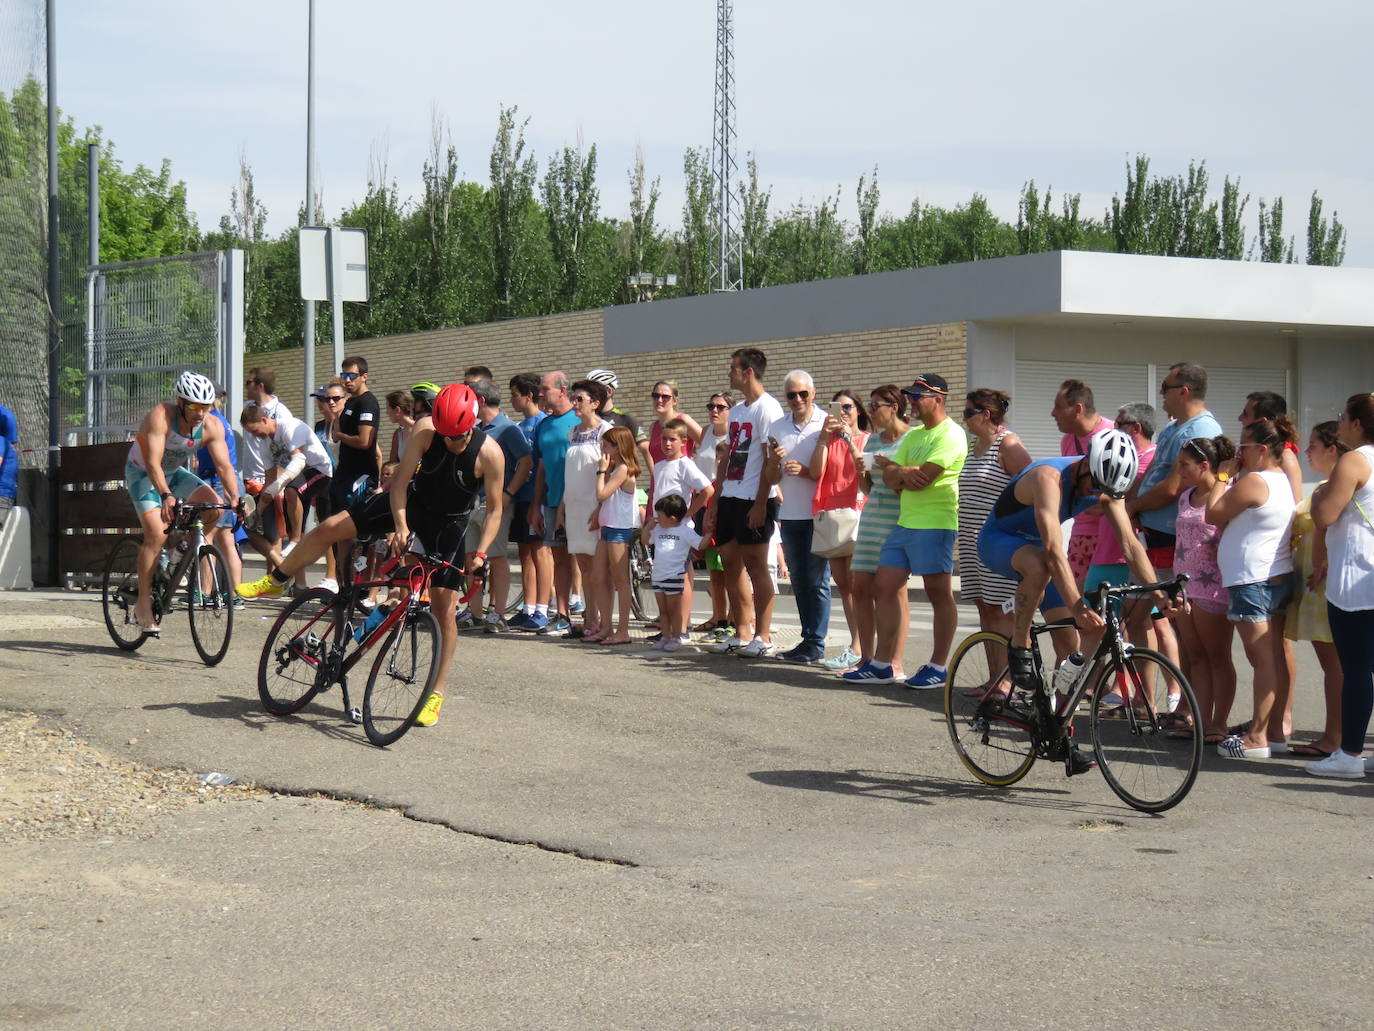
(925, 471)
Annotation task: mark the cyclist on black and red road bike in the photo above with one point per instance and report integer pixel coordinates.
(445, 462)
(1022, 540)
(157, 479)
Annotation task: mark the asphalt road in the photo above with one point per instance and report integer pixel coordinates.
(634, 840)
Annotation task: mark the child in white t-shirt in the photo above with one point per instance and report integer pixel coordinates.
(680, 475)
(674, 543)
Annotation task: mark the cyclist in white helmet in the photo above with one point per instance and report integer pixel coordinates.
(157, 476)
(1022, 540)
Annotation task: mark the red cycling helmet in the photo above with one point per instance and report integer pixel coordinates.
(455, 410)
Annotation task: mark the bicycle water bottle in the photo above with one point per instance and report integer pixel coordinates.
(374, 620)
(1067, 674)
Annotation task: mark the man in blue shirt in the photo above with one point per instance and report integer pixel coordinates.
(536, 561)
(493, 422)
(1182, 396)
(9, 462)
(550, 446)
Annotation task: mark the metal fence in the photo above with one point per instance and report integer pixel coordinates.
(23, 222)
(146, 323)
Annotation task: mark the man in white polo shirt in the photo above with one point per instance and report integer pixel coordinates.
(789, 466)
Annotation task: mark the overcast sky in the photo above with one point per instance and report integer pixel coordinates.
(946, 99)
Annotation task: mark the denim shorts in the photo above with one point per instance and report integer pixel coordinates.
(1257, 602)
(920, 552)
(617, 534)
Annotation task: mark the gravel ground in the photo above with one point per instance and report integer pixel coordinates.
(55, 785)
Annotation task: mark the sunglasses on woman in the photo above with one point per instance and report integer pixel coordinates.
(661, 397)
(717, 408)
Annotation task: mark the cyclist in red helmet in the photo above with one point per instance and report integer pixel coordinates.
(446, 461)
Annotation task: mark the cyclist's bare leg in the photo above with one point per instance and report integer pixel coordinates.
(443, 602)
(334, 530)
(154, 537)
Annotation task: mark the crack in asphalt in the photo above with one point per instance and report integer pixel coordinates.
(405, 812)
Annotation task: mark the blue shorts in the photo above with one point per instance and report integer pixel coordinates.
(180, 481)
(1257, 602)
(920, 552)
(995, 550)
(618, 534)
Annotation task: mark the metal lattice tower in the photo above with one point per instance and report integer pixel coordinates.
(727, 257)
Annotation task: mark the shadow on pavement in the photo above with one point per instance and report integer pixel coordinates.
(319, 718)
(917, 790)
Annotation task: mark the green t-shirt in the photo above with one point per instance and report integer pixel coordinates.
(937, 506)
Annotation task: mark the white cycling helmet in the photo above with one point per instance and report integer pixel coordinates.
(193, 387)
(605, 376)
(1113, 462)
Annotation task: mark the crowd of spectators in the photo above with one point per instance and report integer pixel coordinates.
(865, 491)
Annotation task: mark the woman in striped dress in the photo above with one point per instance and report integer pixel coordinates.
(996, 456)
(887, 416)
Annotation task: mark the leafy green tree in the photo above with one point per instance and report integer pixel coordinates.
(1325, 240)
(754, 230)
(1271, 243)
(808, 243)
(570, 207)
(512, 201)
(866, 196)
(694, 241)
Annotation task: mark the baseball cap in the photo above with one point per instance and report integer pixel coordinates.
(927, 384)
(320, 392)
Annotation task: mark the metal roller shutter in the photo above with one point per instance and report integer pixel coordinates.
(1037, 383)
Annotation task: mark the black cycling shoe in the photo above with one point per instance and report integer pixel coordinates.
(1078, 762)
(1021, 667)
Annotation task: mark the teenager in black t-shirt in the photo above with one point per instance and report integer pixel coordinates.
(355, 431)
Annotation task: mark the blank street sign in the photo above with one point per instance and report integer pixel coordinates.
(315, 264)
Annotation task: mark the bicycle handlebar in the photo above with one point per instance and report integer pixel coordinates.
(1099, 595)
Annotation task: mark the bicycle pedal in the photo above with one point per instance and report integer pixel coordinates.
(355, 715)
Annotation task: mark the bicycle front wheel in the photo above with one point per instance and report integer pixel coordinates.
(638, 557)
(296, 648)
(1149, 755)
(119, 593)
(402, 677)
(989, 721)
(209, 593)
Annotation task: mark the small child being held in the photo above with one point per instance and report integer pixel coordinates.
(674, 543)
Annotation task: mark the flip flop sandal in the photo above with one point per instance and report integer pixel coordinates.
(1307, 750)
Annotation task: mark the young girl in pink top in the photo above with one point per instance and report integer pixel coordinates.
(1205, 632)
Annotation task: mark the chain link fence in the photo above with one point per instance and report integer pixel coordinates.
(23, 222)
(147, 322)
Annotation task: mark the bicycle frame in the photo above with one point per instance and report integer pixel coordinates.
(339, 660)
(178, 532)
(1112, 652)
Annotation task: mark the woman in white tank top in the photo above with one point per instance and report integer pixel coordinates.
(1252, 503)
(1344, 506)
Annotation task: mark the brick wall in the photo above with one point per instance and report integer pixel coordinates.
(573, 342)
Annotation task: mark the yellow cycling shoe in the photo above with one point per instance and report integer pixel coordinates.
(264, 587)
(429, 715)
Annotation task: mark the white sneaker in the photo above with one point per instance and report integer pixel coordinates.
(658, 645)
(728, 644)
(329, 584)
(1337, 764)
(758, 648)
(671, 644)
(684, 640)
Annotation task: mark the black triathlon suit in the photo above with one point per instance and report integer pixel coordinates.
(441, 494)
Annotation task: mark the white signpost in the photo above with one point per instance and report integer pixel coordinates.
(333, 269)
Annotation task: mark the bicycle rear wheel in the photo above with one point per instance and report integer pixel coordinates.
(402, 677)
(296, 648)
(640, 576)
(989, 721)
(1149, 755)
(119, 593)
(208, 594)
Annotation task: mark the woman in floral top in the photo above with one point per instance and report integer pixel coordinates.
(1204, 632)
